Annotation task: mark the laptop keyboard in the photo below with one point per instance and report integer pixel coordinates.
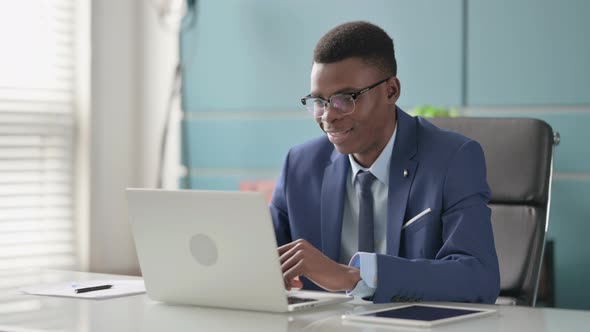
(295, 300)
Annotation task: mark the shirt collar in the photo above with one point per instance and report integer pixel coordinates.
(380, 168)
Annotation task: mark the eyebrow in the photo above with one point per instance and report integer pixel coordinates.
(343, 90)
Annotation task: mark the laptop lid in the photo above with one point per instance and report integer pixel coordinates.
(209, 248)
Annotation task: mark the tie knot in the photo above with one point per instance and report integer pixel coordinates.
(366, 180)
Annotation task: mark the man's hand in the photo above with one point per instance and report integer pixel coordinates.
(300, 258)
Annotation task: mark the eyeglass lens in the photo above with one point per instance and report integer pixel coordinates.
(342, 104)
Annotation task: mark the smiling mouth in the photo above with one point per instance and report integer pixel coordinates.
(338, 133)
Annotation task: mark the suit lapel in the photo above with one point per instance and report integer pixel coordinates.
(332, 205)
(404, 150)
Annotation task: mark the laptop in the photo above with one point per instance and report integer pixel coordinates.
(213, 248)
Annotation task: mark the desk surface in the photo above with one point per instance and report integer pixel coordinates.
(19, 312)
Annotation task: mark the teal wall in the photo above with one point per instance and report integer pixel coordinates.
(533, 52)
(246, 64)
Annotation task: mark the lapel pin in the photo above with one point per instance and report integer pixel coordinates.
(405, 173)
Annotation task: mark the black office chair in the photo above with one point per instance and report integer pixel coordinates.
(519, 159)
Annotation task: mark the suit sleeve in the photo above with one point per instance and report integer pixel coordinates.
(278, 207)
(465, 268)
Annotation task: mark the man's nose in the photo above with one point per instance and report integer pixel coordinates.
(330, 114)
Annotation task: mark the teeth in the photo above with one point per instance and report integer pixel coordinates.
(339, 133)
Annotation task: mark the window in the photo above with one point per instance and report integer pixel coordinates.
(37, 134)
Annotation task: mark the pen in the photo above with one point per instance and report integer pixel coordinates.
(94, 288)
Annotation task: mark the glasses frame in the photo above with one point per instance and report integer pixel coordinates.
(353, 96)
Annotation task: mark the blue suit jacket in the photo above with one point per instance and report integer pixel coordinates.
(447, 255)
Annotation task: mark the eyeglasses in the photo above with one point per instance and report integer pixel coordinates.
(343, 103)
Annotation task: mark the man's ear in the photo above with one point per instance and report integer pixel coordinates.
(393, 90)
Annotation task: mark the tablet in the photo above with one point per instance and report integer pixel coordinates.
(418, 315)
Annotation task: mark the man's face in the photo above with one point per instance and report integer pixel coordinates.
(364, 132)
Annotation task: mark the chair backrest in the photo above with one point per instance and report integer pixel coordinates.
(519, 159)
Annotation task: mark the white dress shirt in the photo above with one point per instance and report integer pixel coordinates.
(379, 189)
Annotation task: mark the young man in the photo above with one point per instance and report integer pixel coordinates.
(385, 205)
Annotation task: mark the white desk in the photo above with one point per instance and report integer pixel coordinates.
(20, 312)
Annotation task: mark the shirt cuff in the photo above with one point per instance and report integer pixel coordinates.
(367, 263)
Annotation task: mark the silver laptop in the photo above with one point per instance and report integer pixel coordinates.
(212, 248)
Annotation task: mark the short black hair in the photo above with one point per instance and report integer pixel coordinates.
(357, 39)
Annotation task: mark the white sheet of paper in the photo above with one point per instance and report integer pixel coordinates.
(67, 289)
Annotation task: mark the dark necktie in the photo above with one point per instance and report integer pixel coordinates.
(366, 240)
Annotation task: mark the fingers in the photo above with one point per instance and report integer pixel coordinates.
(295, 256)
(292, 261)
(284, 248)
(289, 253)
(296, 283)
(293, 283)
(293, 272)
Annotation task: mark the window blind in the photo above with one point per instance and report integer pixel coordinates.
(37, 126)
